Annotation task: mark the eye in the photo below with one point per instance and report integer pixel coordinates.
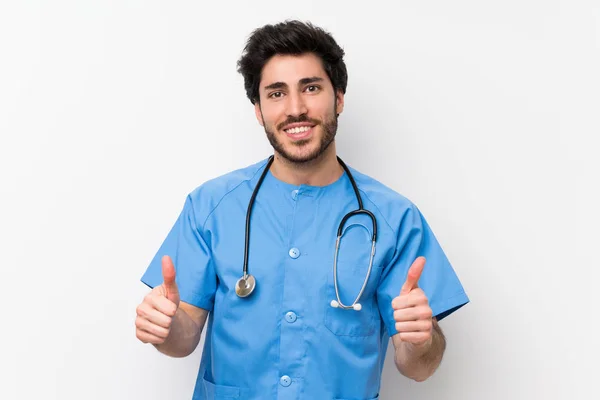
(275, 95)
(312, 88)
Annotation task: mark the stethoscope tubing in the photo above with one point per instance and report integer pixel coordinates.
(249, 212)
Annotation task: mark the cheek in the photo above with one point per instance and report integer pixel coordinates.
(271, 118)
(324, 110)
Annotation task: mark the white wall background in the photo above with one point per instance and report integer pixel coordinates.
(485, 114)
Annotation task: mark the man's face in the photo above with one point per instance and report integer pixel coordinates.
(298, 106)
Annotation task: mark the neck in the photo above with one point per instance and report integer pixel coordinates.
(321, 171)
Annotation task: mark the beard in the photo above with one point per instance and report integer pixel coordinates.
(329, 128)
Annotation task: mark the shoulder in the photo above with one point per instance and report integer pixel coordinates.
(206, 197)
(389, 203)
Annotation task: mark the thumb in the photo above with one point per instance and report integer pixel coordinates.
(413, 276)
(168, 271)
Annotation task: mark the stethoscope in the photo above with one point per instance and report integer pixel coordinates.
(246, 284)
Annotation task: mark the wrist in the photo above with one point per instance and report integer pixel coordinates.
(416, 349)
(421, 348)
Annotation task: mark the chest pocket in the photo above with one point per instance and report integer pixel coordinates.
(352, 268)
(213, 391)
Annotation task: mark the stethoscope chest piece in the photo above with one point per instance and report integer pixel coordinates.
(245, 286)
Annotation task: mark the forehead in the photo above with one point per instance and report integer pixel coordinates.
(290, 69)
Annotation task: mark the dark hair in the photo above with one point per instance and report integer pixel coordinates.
(295, 38)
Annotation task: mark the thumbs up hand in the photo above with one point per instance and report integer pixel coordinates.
(412, 313)
(155, 314)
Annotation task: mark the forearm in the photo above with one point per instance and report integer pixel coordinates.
(419, 363)
(183, 337)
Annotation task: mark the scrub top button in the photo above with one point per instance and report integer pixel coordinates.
(290, 317)
(295, 194)
(294, 253)
(285, 381)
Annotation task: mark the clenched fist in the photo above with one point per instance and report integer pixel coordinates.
(412, 313)
(155, 314)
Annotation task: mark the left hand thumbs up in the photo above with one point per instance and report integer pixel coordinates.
(412, 313)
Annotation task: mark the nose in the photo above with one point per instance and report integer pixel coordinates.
(296, 105)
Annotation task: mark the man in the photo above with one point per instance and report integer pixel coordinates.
(308, 320)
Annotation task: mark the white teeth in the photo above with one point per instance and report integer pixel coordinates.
(298, 130)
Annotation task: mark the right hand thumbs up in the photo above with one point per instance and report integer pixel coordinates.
(171, 291)
(155, 314)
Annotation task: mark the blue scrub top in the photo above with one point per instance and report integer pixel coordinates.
(285, 341)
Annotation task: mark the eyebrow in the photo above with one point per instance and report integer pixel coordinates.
(303, 81)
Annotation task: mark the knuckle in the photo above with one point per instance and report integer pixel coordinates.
(151, 297)
(138, 310)
(140, 336)
(424, 313)
(142, 310)
(397, 303)
(171, 310)
(418, 295)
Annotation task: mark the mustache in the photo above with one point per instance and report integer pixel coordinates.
(301, 118)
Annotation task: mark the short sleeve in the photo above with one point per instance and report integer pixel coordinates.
(195, 274)
(438, 279)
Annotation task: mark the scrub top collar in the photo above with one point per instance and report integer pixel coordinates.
(305, 189)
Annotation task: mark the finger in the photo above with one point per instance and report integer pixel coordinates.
(416, 297)
(147, 337)
(163, 305)
(413, 314)
(400, 302)
(414, 326)
(415, 337)
(156, 330)
(168, 272)
(414, 273)
(156, 317)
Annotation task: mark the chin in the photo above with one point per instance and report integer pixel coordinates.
(304, 155)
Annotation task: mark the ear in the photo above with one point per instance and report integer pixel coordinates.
(258, 113)
(339, 97)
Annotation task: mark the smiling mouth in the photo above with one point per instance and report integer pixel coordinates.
(298, 130)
